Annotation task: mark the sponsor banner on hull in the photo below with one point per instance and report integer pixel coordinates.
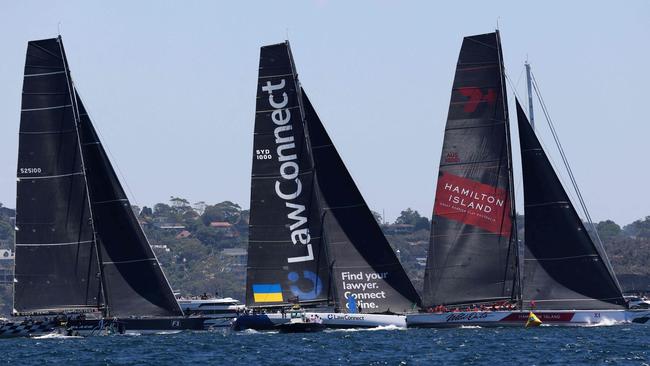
(473, 203)
(544, 317)
(519, 318)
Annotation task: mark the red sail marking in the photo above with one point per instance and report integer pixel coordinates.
(544, 317)
(473, 203)
(476, 96)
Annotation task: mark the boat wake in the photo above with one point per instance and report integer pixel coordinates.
(470, 327)
(55, 336)
(381, 327)
(253, 331)
(168, 332)
(604, 323)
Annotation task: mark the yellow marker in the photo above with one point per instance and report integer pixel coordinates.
(533, 320)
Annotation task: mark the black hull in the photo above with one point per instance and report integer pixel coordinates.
(300, 327)
(137, 325)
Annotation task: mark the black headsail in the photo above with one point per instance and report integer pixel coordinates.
(563, 268)
(472, 251)
(363, 264)
(286, 260)
(135, 284)
(56, 262)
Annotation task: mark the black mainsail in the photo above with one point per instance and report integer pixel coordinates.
(286, 258)
(56, 264)
(363, 264)
(472, 252)
(72, 212)
(563, 268)
(312, 237)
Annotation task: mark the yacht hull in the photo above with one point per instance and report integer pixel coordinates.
(519, 318)
(271, 321)
(144, 325)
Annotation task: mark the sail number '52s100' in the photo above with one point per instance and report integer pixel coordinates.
(264, 154)
(30, 170)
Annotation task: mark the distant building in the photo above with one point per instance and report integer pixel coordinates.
(239, 255)
(166, 223)
(161, 247)
(226, 228)
(396, 229)
(6, 254)
(183, 234)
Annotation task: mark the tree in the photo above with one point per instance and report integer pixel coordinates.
(639, 228)
(608, 229)
(162, 210)
(422, 223)
(408, 216)
(146, 212)
(224, 211)
(378, 217)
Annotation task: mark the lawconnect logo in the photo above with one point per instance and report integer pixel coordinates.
(289, 187)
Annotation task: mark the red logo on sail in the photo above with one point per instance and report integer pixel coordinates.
(476, 96)
(473, 203)
(452, 157)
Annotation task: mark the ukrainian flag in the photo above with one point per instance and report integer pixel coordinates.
(267, 293)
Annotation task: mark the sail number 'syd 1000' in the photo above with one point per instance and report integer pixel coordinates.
(264, 154)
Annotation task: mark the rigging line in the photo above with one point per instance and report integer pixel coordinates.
(520, 75)
(519, 184)
(554, 164)
(563, 155)
(600, 248)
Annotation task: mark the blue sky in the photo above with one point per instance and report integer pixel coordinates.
(171, 87)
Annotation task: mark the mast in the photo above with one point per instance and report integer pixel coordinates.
(514, 234)
(77, 123)
(529, 84)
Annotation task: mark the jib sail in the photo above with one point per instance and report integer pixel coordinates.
(365, 272)
(563, 268)
(135, 285)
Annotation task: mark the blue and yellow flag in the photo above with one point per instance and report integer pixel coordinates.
(267, 293)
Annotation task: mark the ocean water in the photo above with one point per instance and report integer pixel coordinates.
(613, 345)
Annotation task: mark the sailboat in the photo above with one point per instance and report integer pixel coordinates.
(313, 240)
(80, 251)
(474, 275)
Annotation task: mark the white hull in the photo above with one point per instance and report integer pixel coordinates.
(344, 320)
(518, 318)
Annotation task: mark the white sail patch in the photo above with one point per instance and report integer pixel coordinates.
(289, 187)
